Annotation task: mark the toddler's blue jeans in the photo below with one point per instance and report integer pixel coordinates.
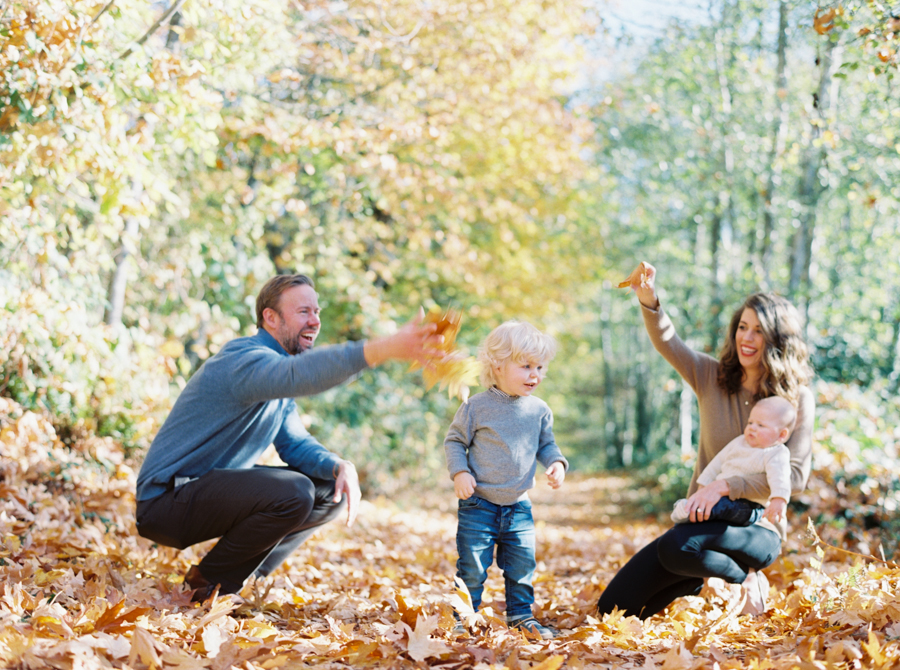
(482, 525)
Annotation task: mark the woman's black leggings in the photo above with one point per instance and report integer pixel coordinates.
(675, 564)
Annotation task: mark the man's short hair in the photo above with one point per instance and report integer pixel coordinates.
(270, 294)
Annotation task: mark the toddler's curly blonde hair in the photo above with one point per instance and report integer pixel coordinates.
(515, 341)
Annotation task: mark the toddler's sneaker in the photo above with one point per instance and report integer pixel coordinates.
(532, 625)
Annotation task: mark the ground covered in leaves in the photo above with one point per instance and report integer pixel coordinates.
(81, 590)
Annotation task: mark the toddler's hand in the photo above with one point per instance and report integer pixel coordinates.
(464, 485)
(775, 510)
(556, 473)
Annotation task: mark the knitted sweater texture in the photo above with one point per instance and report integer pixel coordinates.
(238, 403)
(500, 440)
(739, 459)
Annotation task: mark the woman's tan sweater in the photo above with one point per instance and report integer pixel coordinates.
(723, 415)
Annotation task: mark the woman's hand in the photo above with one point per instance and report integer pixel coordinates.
(643, 282)
(699, 505)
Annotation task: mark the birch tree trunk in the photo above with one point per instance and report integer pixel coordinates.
(779, 135)
(115, 301)
(723, 217)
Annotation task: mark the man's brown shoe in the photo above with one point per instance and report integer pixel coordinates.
(201, 587)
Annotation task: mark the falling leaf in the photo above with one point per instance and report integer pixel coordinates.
(453, 370)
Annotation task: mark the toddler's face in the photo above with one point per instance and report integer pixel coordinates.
(764, 428)
(519, 378)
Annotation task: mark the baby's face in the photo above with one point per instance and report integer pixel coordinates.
(764, 428)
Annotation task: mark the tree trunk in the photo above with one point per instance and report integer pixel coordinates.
(773, 169)
(172, 36)
(894, 375)
(115, 304)
(810, 187)
(723, 217)
(613, 445)
(643, 417)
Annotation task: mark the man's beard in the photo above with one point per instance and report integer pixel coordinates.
(293, 345)
(296, 346)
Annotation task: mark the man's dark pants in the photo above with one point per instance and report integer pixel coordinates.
(262, 514)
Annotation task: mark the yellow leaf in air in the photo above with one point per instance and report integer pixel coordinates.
(454, 370)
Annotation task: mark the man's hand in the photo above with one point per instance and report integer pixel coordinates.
(415, 341)
(464, 485)
(775, 510)
(347, 482)
(556, 474)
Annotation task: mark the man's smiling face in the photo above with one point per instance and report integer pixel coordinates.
(295, 324)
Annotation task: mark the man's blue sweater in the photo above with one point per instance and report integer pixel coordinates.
(241, 401)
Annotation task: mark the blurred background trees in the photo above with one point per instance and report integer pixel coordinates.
(159, 161)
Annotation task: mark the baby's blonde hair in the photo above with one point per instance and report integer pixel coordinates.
(781, 410)
(515, 341)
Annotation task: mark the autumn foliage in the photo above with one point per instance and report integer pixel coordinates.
(436, 153)
(82, 590)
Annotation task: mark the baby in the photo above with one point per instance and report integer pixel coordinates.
(759, 450)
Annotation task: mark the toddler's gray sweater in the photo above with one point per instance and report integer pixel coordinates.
(500, 439)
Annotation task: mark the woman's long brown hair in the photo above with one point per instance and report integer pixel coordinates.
(785, 360)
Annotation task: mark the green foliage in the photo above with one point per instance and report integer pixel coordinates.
(92, 379)
(434, 154)
(403, 156)
(391, 428)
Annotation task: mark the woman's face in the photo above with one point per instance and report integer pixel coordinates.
(749, 340)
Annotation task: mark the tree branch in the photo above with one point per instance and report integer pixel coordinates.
(162, 20)
(84, 29)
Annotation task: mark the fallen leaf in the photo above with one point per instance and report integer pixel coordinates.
(421, 643)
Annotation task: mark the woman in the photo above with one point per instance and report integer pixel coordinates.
(764, 355)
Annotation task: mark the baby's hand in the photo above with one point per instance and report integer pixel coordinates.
(556, 473)
(464, 485)
(775, 510)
